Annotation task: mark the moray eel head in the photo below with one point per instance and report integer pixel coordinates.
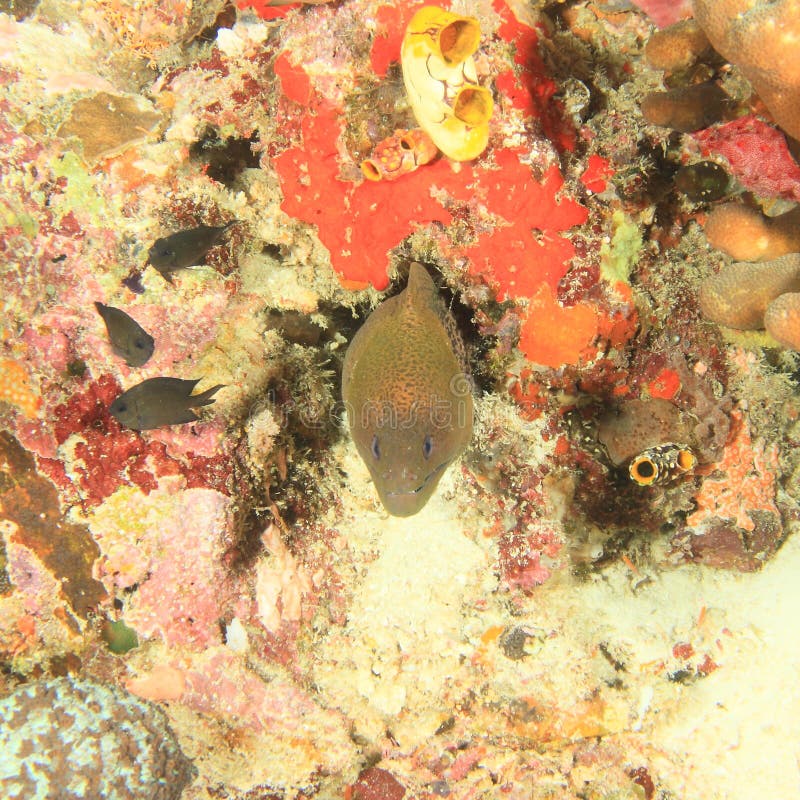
(407, 395)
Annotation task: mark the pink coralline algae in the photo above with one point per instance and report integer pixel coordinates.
(736, 523)
(522, 550)
(221, 679)
(743, 482)
(665, 12)
(757, 155)
(170, 545)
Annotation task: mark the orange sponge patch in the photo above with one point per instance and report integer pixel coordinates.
(553, 335)
(16, 389)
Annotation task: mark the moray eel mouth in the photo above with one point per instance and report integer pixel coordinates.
(408, 502)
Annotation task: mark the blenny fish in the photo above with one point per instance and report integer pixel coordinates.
(128, 338)
(408, 394)
(185, 248)
(157, 402)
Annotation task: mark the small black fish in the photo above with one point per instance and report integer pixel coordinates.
(158, 402)
(129, 339)
(185, 248)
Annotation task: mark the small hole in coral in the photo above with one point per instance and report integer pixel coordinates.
(225, 159)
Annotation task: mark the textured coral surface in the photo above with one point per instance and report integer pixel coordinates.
(75, 738)
(544, 626)
(761, 38)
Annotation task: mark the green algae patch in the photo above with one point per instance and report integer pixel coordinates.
(618, 257)
(12, 218)
(130, 514)
(119, 638)
(80, 195)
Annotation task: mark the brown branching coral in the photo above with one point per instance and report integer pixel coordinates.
(760, 37)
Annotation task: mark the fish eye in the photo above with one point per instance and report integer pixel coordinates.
(376, 448)
(427, 446)
(121, 408)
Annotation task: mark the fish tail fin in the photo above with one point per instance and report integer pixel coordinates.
(207, 397)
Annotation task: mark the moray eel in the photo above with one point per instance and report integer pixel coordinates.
(408, 395)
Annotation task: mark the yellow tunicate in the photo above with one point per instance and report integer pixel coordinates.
(442, 84)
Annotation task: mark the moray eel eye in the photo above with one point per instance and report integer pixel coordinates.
(376, 448)
(427, 446)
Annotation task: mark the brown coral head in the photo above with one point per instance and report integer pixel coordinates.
(677, 47)
(473, 105)
(782, 320)
(738, 295)
(746, 234)
(760, 37)
(687, 108)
